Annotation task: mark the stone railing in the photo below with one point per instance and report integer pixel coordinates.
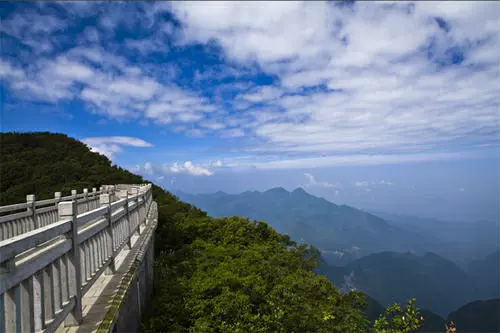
(30, 215)
(44, 272)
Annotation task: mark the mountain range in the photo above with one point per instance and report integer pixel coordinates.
(341, 232)
(390, 260)
(393, 277)
(459, 241)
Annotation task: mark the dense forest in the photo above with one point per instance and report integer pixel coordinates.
(211, 275)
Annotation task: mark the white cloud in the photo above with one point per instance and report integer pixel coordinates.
(190, 168)
(328, 161)
(385, 182)
(148, 168)
(217, 164)
(389, 95)
(313, 182)
(362, 183)
(110, 145)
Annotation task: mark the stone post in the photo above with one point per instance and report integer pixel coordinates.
(57, 197)
(30, 200)
(104, 201)
(124, 195)
(136, 215)
(86, 199)
(67, 209)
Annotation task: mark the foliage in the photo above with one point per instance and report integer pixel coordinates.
(240, 276)
(42, 163)
(398, 322)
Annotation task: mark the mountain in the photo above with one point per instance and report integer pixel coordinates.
(478, 316)
(432, 322)
(438, 284)
(486, 272)
(460, 241)
(341, 232)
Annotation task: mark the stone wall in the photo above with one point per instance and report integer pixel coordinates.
(136, 288)
(138, 295)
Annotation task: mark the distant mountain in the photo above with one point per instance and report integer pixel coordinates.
(343, 233)
(486, 273)
(432, 322)
(389, 277)
(460, 241)
(478, 316)
(373, 309)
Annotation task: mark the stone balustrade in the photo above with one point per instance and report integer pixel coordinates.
(51, 261)
(30, 215)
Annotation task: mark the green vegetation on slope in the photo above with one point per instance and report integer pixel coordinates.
(211, 275)
(44, 163)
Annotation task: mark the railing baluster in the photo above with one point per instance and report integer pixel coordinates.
(9, 303)
(88, 268)
(38, 302)
(47, 294)
(93, 256)
(83, 269)
(64, 278)
(56, 286)
(26, 306)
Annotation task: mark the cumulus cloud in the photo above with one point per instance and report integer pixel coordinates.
(188, 167)
(110, 145)
(313, 182)
(380, 88)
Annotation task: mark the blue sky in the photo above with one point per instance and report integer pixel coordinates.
(388, 105)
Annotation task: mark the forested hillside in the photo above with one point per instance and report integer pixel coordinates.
(43, 163)
(211, 275)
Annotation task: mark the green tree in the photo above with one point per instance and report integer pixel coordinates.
(395, 321)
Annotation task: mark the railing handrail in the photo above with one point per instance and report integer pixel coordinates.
(99, 234)
(20, 218)
(44, 202)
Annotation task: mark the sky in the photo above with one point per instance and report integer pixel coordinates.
(388, 105)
